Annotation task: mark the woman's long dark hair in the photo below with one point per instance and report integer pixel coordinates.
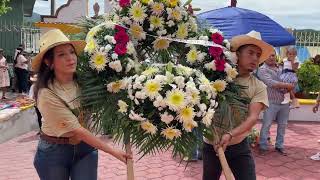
(45, 73)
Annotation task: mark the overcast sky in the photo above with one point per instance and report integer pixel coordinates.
(299, 14)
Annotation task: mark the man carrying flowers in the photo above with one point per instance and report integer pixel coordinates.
(251, 51)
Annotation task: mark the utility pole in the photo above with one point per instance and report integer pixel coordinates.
(53, 7)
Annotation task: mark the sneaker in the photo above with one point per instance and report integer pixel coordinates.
(281, 151)
(316, 157)
(286, 99)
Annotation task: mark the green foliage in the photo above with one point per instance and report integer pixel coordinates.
(4, 8)
(309, 77)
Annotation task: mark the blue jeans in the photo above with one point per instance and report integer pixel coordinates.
(64, 161)
(280, 113)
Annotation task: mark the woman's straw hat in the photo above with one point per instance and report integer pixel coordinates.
(52, 39)
(254, 38)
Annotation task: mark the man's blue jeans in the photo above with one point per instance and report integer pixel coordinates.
(64, 161)
(280, 113)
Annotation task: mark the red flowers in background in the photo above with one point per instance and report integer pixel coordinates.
(122, 38)
(217, 38)
(124, 3)
(220, 64)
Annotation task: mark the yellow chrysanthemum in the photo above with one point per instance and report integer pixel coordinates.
(232, 72)
(152, 88)
(137, 32)
(172, 3)
(171, 133)
(160, 44)
(98, 61)
(175, 99)
(195, 98)
(219, 85)
(145, 1)
(115, 87)
(186, 114)
(150, 71)
(182, 32)
(123, 106)
(156, 21)
(157, 8)
(90, 46)
(137, 12)
(176, 14)
(192, 55)
(189, 125)
(149, 127)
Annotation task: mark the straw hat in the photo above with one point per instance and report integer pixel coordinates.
(52, 39)
(253, 37)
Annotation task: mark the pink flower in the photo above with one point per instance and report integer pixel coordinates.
(215, 52)
(120, 49)
(217, 38)
(124, 3)
(220, 64)
(121, 37)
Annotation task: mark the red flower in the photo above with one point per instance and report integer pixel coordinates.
(119, 28)
(220, 64)
(124, 3)
(120, 49)
(215, 52)
(217, 38)
(121, 37)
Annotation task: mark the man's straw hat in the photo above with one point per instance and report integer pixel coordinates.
(254, 38)
(52, 39)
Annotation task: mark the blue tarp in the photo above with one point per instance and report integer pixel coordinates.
(233, 21)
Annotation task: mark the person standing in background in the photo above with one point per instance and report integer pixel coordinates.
(4, 75)
(22, 72)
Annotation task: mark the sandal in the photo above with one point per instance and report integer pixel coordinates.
(316, 157)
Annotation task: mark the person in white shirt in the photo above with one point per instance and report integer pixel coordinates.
(22, 72)
(290, 65)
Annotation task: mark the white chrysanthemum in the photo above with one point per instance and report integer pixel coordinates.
(175, 13)
(159, 103)
(116, 65)
(149, 127)
(150, 71)
(170, 23)
(204, 38)
(157, 8)
(156, 22)
(107, 48)
(114, 56)
(160, 44)
(211, 66)
(182, 31)
(194, 55)
(193, 95)
(166, 117)
(130, 48)
(123, 106)
(91, 46)
(136, 117)
(184, 71)
(179, 80)
(137, 12)
(207, 119)
(98, 61)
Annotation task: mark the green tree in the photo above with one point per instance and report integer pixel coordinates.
(4, 8)
(309, 77)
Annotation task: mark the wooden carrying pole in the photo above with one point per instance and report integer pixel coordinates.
(224, 164)
(130, 174)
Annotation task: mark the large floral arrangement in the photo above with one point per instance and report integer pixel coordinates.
(157, 106)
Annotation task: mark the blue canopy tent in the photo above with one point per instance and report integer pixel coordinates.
(233, 21)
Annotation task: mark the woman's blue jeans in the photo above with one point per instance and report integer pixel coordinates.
(65, 161)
